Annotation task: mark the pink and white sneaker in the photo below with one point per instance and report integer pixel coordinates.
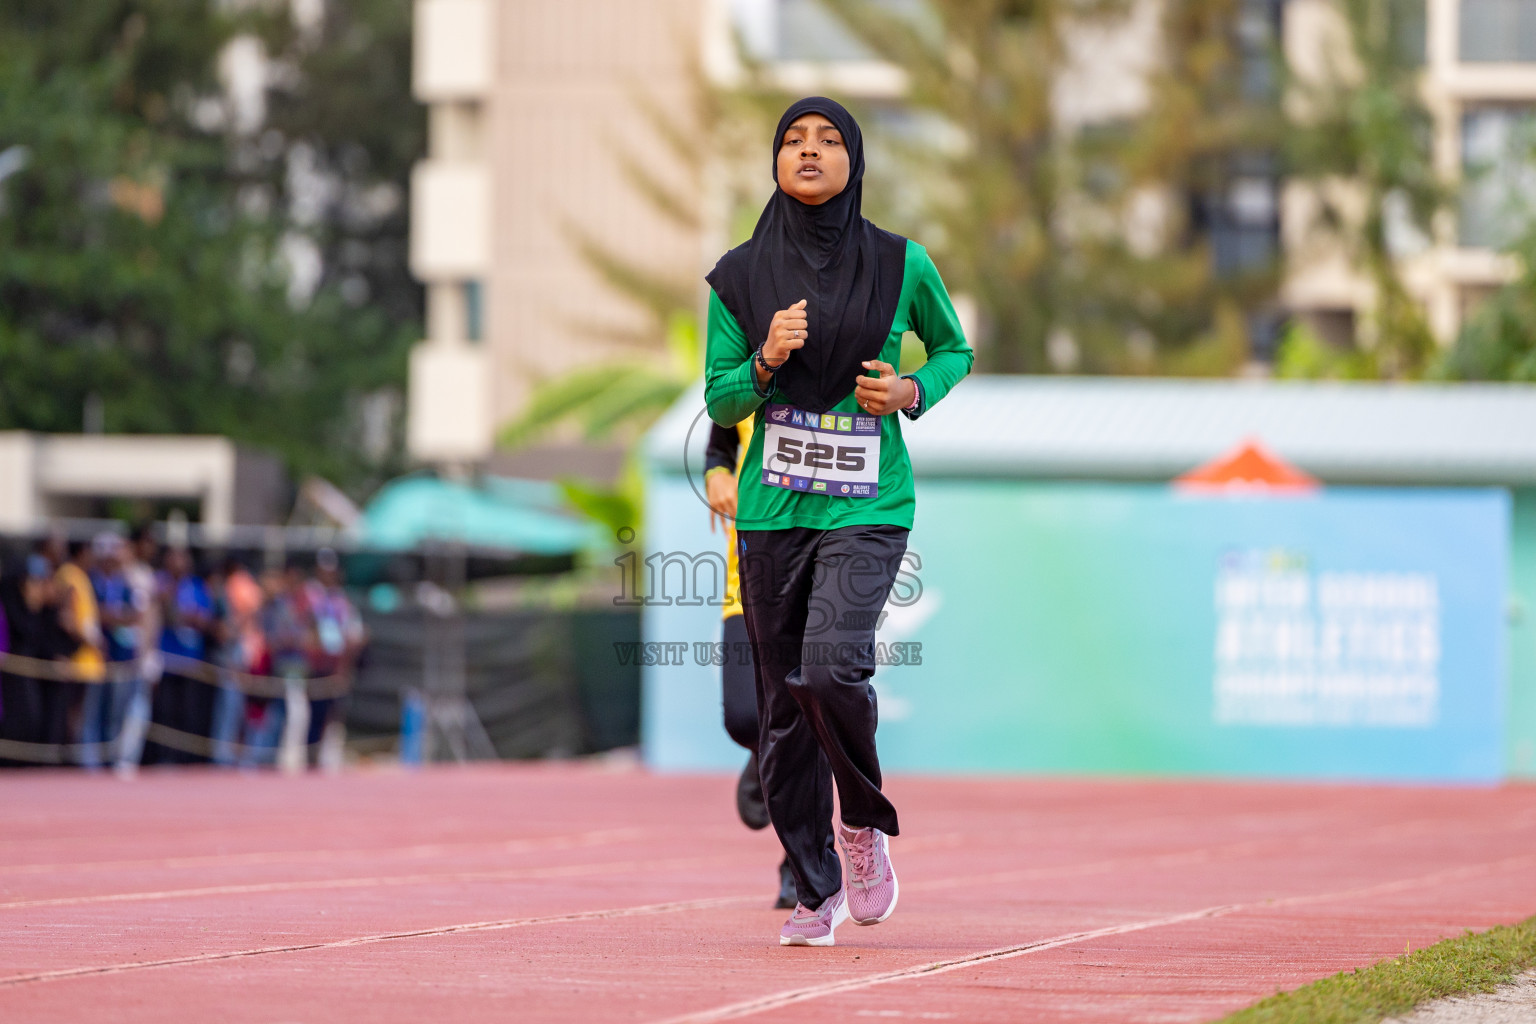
(872, 888)
(815, 927)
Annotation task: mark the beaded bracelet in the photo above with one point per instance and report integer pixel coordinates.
(917, 395)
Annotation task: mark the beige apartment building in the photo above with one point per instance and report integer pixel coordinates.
(1479, 82)
(531, 101)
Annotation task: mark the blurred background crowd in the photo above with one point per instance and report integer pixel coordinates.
(107, 644)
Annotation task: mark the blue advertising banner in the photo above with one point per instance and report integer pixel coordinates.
(1129, 629)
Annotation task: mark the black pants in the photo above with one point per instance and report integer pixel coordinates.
(186, 705)
(23, 712)
(812, 598)
(738, 684)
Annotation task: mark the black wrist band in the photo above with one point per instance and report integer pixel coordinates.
(765, 364)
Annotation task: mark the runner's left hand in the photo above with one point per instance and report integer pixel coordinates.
(882, 395)
(720, 489)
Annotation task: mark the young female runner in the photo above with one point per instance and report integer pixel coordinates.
(805, 324)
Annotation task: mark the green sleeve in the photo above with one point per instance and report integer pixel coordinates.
(730, 382)
(933, 320)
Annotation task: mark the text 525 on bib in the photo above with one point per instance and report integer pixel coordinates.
(822, 453)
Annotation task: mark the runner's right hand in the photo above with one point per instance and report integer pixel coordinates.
(785, 334)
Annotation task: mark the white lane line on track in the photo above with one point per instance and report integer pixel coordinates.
(798, 995)
(600, 837)
(608, 836)
(363, 940)
(534, 844)
(1198, 855)
(310, 885)
(779, 1000)
(596, 837)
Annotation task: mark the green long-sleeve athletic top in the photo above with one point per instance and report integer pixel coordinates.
(732, 393)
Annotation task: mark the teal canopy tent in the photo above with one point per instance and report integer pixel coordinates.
(523, 516)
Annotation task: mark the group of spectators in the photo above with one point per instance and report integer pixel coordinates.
(115, 652)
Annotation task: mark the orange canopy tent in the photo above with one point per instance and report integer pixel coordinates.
(1250, 467)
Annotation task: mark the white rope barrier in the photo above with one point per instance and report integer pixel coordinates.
(318, 688)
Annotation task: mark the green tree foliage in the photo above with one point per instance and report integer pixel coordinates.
(612, 398)
(142, 245)
(1031, 217)
(1213, 127)
(984, 69)
(345, 112)
(1364, 123)
(1498, 341)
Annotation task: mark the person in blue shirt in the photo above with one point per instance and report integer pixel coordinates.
(106, 703)
(183, 702)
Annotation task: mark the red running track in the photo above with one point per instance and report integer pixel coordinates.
(583, 893)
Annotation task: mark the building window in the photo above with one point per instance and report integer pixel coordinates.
(474, 311)
(1241, 219)
(1498, 163)
(1258, 29)
(1498, 30)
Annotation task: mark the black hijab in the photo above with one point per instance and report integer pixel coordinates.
(848, 270)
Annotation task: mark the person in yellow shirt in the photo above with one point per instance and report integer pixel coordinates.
(78, 614)
(80, 619)
(738, 676)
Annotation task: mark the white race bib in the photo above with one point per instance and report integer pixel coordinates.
(823, 453)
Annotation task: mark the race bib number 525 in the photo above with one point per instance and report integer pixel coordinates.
(824, 453)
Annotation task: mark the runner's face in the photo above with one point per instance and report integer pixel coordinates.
(813, 162)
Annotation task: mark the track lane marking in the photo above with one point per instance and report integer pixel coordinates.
(1196, 855)
(917, 843)
(363, 940)
(310, 885)
(779, 1000)
(558, 841)
(762, 1004)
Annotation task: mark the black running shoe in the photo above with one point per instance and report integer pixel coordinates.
(788, 898)
(749, 797)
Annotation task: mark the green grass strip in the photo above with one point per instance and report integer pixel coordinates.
(1474, 962)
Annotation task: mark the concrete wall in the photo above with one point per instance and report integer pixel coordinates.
(18, 496)
(44, 475)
